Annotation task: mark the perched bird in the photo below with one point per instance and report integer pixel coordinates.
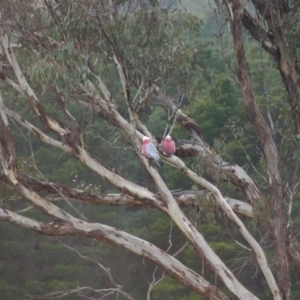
(168, 145)
(150, 150)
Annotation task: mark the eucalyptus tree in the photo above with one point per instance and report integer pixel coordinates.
(273, 25)
(67, 63)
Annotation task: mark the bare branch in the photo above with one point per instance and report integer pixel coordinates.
(117, 287)
(260, 34)
(260, 256)
(121, 239)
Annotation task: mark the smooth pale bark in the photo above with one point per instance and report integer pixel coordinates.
(132, 189)
(236, 174)
(119, 238)
(177, 215)
(183, 198)
(45, 138)
(195, 237)
(172, 208)
(70, 225)
(260, 256)
(233, 172)
(76, 148)
(37, 132)
(118, 181)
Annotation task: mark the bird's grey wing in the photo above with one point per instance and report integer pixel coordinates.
(152, 151)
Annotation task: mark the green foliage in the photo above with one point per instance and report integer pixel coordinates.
(10, 292)
(225, 249)
(162, 47)
(293, 30)
(215, 106)
(159, 47)
(169, 289)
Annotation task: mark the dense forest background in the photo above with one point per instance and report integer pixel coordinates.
(33, 266)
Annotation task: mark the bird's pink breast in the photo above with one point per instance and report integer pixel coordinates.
(144, 147)
(169, 147)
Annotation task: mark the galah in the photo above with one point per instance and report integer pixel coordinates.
(168, 145)
(150, 150)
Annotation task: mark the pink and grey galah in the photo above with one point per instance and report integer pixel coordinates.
(168, 145)
(150, 150)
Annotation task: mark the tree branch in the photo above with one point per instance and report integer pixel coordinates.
(263, 37)
(124, 240)
(270, 152)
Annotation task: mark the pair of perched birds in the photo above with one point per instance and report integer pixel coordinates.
(149, 149)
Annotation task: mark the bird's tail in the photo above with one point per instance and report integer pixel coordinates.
(159, 163)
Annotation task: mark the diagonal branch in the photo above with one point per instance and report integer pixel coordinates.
(234, 173)
(183, 198)
(117, 287)
(273, 14)
(124, 240)
(119, 182)
(261, 35)
(77, 150)
(194, 236)
(259, 253)
(74, 226)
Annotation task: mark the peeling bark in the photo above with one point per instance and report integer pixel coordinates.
(270, 151)
(260, 256)
(196, 238)
(266, 39)
(180, 117)
(97, 96)
(294, 254)
(123, 240)
(233, 172)
(275, 43)
(183, 198)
